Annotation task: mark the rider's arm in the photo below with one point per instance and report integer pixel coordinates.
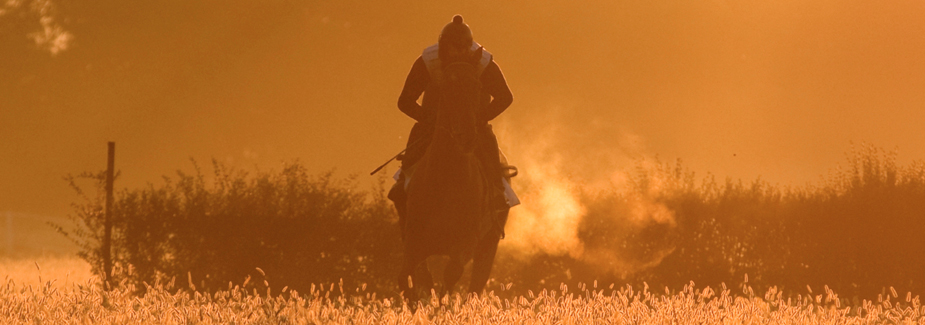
(493, 82)
(414, 86)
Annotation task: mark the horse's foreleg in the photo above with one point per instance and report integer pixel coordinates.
(481, 264)
(405, 281)
(452, 273)
(425, 279)
(485, 256)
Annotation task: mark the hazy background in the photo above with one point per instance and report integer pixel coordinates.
(741, 89)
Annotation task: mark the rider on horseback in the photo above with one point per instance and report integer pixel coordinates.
(455, 43)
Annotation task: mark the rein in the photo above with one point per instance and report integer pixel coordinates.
(465, 148)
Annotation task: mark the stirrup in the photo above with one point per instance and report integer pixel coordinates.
(510, 171)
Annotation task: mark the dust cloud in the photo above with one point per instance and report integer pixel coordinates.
(564, 177)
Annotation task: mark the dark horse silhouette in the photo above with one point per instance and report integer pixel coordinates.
(448, 211)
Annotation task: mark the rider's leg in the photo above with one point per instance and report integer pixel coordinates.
(398, 196)
(491, 159)
(418, 140)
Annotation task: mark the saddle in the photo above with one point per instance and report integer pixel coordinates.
(403, 176)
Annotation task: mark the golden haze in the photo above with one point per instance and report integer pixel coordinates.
(737, 88)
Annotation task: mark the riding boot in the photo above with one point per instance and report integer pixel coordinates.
(498, 200)
(397, 192)
(496, 180)
(399, 198)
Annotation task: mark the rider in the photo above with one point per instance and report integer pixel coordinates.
(455, 43)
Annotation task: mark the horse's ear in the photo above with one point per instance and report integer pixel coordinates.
(476, 56)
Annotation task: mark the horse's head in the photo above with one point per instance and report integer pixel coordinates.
(459, 107)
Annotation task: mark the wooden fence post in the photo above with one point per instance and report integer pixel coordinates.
(107, 225)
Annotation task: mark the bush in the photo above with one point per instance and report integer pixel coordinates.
(296, 228)
(859, 232)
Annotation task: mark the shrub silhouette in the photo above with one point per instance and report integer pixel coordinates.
(859, 232)
(296, 228)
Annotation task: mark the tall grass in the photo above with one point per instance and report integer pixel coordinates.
(62, 271)
(88, 303)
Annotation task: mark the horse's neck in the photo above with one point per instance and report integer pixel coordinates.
(444, 153)
(444, 145)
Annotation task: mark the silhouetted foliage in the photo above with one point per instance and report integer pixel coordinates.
(296, 228)
(859, 232)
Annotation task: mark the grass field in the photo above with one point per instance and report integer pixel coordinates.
(62, 271)
(33, 253)
(24, 235)
(78, 299)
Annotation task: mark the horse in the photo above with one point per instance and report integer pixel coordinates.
(447, 207)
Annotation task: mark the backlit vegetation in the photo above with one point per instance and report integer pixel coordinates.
(36, 271)
(89, 304)
(858, 233)
(297, 228)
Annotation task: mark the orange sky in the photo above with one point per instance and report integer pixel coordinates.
(742, 89)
